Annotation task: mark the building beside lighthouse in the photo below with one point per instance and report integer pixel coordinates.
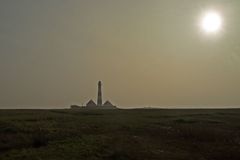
(99, 105)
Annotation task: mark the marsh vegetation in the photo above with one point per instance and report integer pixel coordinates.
(120, 134)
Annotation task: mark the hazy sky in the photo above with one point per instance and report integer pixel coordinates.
(146, 52)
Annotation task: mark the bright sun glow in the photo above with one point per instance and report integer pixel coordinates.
(211, 22)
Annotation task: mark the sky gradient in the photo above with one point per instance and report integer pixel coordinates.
(146, 52)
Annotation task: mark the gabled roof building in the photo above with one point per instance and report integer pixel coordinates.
(91, 103)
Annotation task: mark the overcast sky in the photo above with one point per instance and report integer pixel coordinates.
(146, 52)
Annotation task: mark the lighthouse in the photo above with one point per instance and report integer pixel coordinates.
(99, 105)
(99, 97)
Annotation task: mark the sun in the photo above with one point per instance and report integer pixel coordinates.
(211, 22)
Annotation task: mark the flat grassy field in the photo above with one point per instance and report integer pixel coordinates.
(120, 134)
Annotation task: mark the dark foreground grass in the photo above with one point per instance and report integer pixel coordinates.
(120, 134)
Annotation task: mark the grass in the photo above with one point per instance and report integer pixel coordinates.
(120, 134)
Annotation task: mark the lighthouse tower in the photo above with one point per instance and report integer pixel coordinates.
(99, 98)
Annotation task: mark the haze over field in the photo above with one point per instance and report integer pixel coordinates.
(147, 53)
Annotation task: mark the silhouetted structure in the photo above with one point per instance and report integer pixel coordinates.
(99, 98)
(107, 103)
(92, 105)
